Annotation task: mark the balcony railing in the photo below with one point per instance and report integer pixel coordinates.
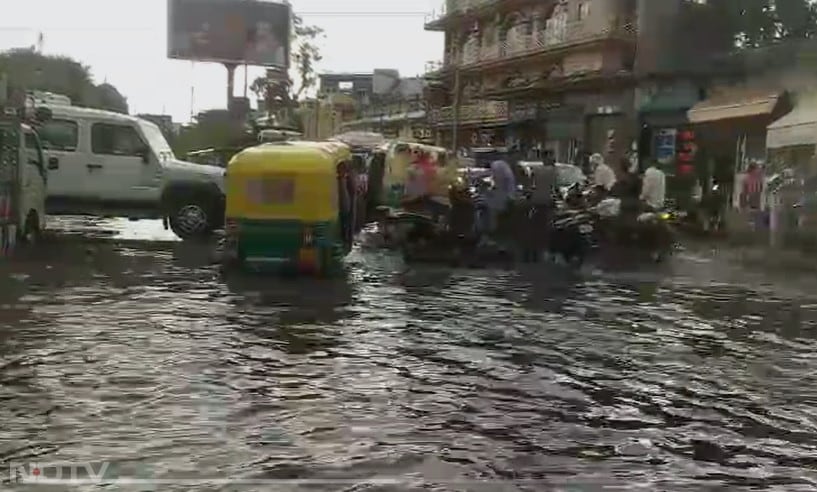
(575, 33)
(481, 112)
(456, 7)
(401, 108)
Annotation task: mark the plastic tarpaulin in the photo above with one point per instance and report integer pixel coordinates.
(799, 127)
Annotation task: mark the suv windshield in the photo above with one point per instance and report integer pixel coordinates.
(156, 140)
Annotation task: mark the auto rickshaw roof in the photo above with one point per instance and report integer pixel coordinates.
(296, 156)
(416, 145)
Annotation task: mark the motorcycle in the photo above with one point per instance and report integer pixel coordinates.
(650, 231)
(573, 234)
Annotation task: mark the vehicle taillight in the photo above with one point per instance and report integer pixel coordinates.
(309, 237)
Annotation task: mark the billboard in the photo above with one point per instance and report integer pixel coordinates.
(248, 32)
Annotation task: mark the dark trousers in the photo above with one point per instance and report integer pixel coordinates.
(535, 234)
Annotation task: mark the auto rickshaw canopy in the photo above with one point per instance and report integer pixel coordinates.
(295, 180)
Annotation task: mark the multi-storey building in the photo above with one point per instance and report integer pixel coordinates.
(380, 101)
(397, 111)
(561, 75)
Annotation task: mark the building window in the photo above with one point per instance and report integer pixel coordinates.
(584, 10)
(60, 135)
(108, 139)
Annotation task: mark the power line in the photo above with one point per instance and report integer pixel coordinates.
(364, 14)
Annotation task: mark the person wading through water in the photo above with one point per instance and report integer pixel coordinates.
(543, 180)
(502, 193)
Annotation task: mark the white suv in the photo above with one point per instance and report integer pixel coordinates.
(110, 164)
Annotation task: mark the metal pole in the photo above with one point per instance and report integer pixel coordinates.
(230, 83)
(456, 108)
(246, 82)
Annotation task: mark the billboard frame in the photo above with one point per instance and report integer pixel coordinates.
(171, 13)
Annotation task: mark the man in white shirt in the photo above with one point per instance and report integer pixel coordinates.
(503, 192)
(654, 187)
(603, 175)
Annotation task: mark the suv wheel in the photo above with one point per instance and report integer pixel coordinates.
(191, 219)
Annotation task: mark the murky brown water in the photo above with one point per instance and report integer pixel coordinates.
(143, 356)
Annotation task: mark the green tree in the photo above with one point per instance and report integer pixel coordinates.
(756, 23)
(109, 98)
(280, 94)
(30, 70)
(795, 19)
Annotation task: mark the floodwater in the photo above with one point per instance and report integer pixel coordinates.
(141, 357)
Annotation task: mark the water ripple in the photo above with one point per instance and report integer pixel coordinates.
(527, 379)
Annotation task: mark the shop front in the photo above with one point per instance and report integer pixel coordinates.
(564, 132)
(609, 124)
(791, 140)
(730, 126)
(662, 114)
(524, 131)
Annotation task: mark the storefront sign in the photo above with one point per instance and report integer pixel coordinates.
(665, 145)
(687, 148)
(420, 133)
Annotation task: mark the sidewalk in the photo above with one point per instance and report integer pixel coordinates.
(752, 249)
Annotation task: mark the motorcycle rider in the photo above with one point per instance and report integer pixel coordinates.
(543, 180)
(654, 188)
(503, 191)
(603, 175)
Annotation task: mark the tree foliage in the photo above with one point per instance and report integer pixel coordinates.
(758, 23)
(281, 96)
(27, 69)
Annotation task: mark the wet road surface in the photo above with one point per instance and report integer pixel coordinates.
(142, 356)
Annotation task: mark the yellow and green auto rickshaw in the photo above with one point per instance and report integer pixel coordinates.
(403, 159)
(289, 206)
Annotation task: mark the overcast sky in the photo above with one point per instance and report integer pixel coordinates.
(124, 42)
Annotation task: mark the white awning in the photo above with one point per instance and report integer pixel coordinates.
(799, 127)
(732, 103)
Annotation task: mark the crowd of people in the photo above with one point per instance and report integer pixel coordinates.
(646, 192)
(519, 204)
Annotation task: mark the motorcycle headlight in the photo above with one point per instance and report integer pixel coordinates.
(665, 216)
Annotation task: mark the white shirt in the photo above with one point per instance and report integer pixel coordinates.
(604, 176)
(504, 180)
(654, 187)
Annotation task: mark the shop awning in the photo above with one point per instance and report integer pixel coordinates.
(799, 127)
(734, 103)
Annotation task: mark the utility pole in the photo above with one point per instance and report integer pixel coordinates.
(456, 107)
(230, 82)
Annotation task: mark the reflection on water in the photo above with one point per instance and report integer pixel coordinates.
(146, 356)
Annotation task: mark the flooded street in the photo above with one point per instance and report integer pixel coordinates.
(142, 356)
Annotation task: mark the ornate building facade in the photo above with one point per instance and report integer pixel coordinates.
(558, 75)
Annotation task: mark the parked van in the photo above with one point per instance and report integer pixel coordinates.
(109, 164)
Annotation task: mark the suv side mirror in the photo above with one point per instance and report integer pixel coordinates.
(144, 153)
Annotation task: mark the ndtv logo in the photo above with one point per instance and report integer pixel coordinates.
(57, 472)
